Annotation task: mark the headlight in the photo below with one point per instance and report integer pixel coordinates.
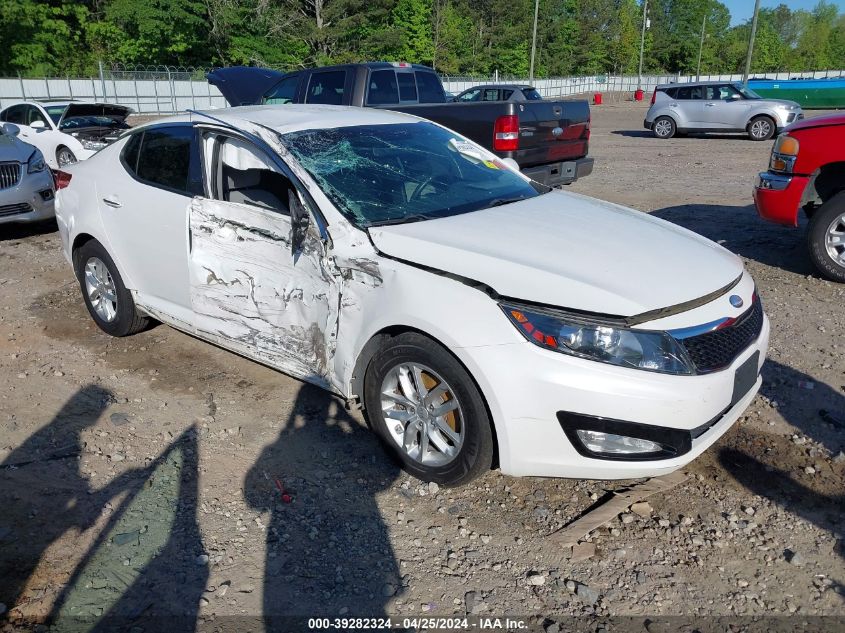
(92, 145)
(36, 163)
(576, 336)
(784, 153)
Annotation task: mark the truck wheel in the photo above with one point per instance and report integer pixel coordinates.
(761, 128)
(826, 238)
(664, 127)
(427, 409)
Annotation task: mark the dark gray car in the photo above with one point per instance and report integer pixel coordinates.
(717, 106)
(26, 183)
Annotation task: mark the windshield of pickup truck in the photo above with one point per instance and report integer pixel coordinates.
(406, 172)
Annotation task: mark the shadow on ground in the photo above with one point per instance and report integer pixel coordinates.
(143, 563)
(22, 230)
(742, 231)
(698, 137)
(328, 548)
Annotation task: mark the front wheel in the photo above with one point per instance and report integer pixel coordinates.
(65, 157)
(664, 127)
(108, 301)
(428, 410)
(826, 238)
(761, 128)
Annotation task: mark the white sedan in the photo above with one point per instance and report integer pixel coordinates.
(65, 131)
(473, 314)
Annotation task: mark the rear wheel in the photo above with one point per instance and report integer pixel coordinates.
(65, 157)
(428, 410)
(664, 127)
(761, 128)
(826, 238)
(108, 301)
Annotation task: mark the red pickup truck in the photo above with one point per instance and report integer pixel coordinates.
(807, 170)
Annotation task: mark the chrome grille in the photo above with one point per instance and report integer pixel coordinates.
(10, 175)
(14, 209)
(717, 349)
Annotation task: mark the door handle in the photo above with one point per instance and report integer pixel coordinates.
(709, 105)
(112, 201)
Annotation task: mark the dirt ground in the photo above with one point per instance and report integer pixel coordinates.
(160, 476)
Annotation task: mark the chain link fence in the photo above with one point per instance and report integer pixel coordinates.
(170, 89)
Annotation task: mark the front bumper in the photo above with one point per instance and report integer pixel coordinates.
(778, 197)
(563, 173)
(31, 200)
(526, 388)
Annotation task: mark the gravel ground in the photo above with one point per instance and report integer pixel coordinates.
(160, 476)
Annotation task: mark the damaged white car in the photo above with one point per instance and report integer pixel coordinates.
(477, 317)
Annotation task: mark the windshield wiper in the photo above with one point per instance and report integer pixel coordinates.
(498, 202)
(416, 217)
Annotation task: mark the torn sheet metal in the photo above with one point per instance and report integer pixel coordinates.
(603, 513)
(250, 293)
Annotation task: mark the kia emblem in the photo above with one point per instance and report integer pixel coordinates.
(736, 301)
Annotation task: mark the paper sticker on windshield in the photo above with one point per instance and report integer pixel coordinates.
(468, 150)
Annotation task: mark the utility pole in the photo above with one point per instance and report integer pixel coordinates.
(751, 43)
(701, 48)
(534, 40)
(642, 45)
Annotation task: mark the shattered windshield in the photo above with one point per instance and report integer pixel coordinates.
(391, 174)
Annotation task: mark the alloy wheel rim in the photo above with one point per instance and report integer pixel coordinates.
(663, 128)
(760, 129)
(100, 288)
(66, 158)
(423, 416)
(835, 240)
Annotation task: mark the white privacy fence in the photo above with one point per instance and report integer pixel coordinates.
(165, 90)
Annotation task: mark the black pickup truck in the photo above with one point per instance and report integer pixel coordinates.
(548, 139)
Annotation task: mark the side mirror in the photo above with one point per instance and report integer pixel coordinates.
(11, 129)
(38, 125)
(299, 221)
(735, 97)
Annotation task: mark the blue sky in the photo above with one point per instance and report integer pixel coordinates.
(741, 10)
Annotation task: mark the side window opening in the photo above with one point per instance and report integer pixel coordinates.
(326, 87)
(33, 115)
(242, 174)
(165, 157)
(383, 89)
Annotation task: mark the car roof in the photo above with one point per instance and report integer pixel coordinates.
(295, 117)
(696, 83)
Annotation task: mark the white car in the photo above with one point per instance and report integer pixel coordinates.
(65, 131)
(473, 314)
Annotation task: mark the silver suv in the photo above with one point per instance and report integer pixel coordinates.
(717, 106)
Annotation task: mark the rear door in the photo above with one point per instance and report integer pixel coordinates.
(690, 100)
(144, 208)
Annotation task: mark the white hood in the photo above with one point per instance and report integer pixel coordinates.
(571, 251)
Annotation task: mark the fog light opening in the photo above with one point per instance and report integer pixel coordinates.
(612, 444)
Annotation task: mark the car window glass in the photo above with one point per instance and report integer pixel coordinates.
(491, 94)
(34, 114)
(532, 95)
(690, 92)
(130, 152)
(407, 86)
(55, 112)
(326, 87)
(383, 88)
(15, 114)
(283, 92)
(727, 92)
(672, 93)
(506, 94)
(472, 95)
(429, 87)
(244, 175)
(165, 157)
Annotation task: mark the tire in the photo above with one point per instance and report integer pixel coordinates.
(65, 157)
(761, 128)
(399, 422)
(664, 127)
(826, 238)
(99, 281)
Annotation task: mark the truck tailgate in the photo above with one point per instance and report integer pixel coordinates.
(552, 131)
